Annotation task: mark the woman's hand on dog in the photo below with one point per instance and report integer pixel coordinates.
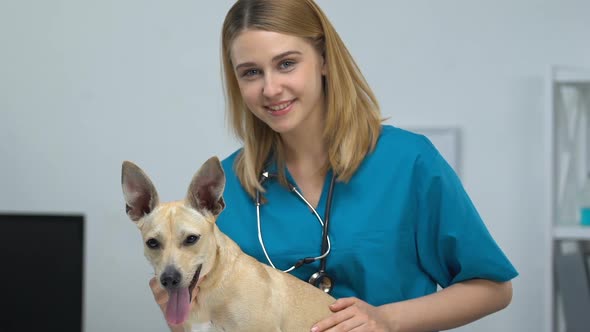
(161, 297)
(352, 314)
(160, 294)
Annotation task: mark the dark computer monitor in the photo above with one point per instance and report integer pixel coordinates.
(41, 272)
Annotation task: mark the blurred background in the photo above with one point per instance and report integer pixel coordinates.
(85, 85)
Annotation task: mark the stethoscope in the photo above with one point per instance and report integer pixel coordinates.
(320, 279)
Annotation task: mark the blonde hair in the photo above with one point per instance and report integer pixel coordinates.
(353, 120)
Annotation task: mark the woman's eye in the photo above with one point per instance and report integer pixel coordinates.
(191, 239)
(152, 243)
(287, 64)
(250, 73)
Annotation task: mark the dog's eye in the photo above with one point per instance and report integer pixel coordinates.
(152, 243)
(191, 239)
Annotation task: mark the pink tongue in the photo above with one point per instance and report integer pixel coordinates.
(178, 306)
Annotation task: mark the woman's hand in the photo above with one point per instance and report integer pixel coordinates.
(160, 294)
(451, 307)
(161, 297)
(352, 314)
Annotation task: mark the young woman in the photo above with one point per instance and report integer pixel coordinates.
(400, 221)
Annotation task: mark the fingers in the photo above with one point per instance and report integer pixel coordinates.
(352, 324)
(160, 294)
(153, 283)
(332, 320)
(343, 303)
(350, 314)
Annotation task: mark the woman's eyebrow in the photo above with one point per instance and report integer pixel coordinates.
(274, 59)
(284, 54)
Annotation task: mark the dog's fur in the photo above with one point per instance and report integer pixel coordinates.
(208, 278)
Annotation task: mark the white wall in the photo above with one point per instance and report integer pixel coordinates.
(85, 85)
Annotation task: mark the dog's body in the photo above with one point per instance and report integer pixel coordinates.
(209, 280)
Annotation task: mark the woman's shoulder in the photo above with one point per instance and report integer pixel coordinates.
(232, 183)
(404, 143)
(233, 189)
(228, 162)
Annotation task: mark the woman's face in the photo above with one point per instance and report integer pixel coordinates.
(280, 79)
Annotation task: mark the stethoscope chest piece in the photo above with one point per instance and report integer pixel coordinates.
(322, 281)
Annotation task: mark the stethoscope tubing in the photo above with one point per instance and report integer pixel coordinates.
(326, 244)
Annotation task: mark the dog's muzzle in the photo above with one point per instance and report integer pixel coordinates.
(171, 279)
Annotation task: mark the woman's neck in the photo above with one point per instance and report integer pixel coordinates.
(305, 150)
(306, 156)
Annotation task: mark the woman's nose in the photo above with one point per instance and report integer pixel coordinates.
(272, 86)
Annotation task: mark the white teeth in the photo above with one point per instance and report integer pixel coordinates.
(279, 107)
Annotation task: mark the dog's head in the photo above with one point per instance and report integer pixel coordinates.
(178, 237)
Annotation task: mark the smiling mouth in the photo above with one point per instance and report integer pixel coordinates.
(193, 283)
(279, 107)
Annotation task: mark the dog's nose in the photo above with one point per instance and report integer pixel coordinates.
(170, 278)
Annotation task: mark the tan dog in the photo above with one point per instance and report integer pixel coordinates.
(208, 278)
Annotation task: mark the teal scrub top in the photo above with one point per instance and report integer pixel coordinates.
(400, 226)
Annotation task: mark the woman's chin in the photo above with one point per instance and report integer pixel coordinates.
(281, 128)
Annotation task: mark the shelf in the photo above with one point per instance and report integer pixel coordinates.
(571, 232)
(567, 123)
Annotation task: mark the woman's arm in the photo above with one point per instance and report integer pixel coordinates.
(454, 306)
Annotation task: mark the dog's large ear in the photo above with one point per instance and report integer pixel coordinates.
(205, 192)
(140, 194)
